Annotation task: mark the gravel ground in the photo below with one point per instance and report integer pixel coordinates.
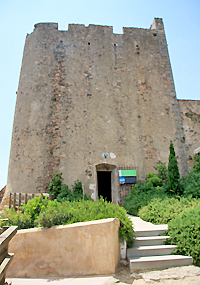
(186, 275)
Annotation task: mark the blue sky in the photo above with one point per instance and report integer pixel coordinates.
(182, 27)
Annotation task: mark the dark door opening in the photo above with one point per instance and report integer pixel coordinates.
(104, 184)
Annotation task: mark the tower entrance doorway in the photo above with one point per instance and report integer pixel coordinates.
(104, 185)
(107, 181)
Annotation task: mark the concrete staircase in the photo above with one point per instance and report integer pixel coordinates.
(149, 251)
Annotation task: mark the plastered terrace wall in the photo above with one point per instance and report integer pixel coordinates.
(79, 249)
(88, 91)
(190, 115)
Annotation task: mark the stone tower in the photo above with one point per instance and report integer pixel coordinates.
(91, 103)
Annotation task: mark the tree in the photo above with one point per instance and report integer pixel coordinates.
(173, 172)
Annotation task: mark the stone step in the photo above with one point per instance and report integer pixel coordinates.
(156, 231)
(153, 250)
(158, 262)
(151, 240)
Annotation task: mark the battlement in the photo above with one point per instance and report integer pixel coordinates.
(45, 26)
(91, 27)
(157, 24)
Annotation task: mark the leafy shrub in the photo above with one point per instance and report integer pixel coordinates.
(22, 220)
(191, 185)
(143, 192)
(196, 166)
(25, 217)
(34, 207)
(154, 179)
(55, 186)
(77, 190)
(160, 211)
(60, 191)
(65, 194)
(184, 231)
(55, 213)
(68, 213)
(162, 171)
(140, 195)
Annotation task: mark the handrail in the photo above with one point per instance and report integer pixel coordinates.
(6, 236)
(5, 257)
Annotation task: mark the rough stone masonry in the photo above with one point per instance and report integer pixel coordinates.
(91, 102)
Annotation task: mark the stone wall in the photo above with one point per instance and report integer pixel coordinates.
(86, 91)
(190, 115)
(73, 250)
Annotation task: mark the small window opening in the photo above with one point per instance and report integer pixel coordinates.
(89, 44)
(154, 34)
(115, 45)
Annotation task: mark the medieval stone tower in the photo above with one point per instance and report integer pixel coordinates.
(91, 103)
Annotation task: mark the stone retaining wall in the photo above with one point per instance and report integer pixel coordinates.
(73, 250)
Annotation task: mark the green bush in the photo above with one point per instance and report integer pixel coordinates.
(65, 194)
(68, 213)
(60, 190)
(154, 179)
(34, 207)
(55, 213)
(162, 171)
(160, 211)
(196, 166)
(22, 220)
(191, 185)
(184, 231)
(25, 217)
(143, 192)
(55, 186)
(44, 213)
(140, 195)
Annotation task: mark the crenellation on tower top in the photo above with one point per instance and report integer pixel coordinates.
(157, 24)
(76, 27)
(46, 26)
(99, 28)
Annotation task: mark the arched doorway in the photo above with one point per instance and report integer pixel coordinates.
(107, 182)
